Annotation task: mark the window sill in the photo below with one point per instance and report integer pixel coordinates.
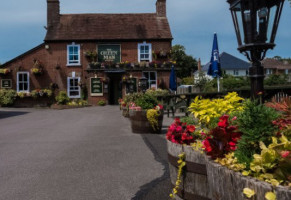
(74, 65)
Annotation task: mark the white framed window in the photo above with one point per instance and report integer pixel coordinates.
(286, 71)
(152, 79)
(269, 71)
(22, 81)
(144, 52)
(73, 54)
(235, 72)
(73, 88)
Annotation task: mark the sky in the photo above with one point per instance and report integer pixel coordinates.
(192, 23)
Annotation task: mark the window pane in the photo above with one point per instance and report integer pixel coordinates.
(24, 77)
(75, 82)
(71, 50)
(147, 48)
(153, 76)
(20, 77)
(76, 49)
(142, 56)
(20, 86)
(142, 48)
(25, 86)
(75, 57)
(146, 56)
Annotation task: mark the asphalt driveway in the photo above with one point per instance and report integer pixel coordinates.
(79, 154)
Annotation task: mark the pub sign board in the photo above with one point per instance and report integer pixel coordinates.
(6, 83)
(109, 53)
(96, 87)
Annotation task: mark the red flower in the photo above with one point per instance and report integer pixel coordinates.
(161, 106)
(223, 121)
(285, 154)
(191, 128)
(206, 145)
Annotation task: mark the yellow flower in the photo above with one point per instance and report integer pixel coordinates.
(248, 192)
(270, 196)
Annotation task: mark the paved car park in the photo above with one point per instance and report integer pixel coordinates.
(87, 153)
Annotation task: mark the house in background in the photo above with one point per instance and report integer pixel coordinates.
(229, 65)
(275, 66)
(96, 54)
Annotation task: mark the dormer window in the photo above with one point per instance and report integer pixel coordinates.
(144, 52)
(73, 54)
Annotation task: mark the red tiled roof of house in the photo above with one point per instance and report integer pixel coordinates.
(270, 63)
(110, 27)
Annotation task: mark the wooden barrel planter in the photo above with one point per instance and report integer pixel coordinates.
(194, 184)
(140, 123)
(226, 184)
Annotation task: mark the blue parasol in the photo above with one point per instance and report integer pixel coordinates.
(214, 69)
(173, 83)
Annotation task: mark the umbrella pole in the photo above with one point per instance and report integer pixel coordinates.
(218, 84)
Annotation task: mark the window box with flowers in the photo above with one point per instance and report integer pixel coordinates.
(4, 71)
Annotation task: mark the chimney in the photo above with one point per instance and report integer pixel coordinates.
(161, 8)
(53, 13)
(199, 65)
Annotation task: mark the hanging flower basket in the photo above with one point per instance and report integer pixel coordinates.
(37, 71)
(4, 71)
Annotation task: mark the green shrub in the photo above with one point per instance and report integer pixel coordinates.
(189, 120)
(230, 82)
(132, 97)
(157, 92)
(275, 79)
(255, 122)
(188, 81)
(7, 97)
(101, 103)
(146, 101)
(62, 98)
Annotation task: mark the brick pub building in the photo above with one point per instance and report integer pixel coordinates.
(100, 56)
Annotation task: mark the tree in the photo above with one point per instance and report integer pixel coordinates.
(185, 64)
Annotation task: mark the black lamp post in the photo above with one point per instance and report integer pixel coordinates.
(256, 23)
(143, 83)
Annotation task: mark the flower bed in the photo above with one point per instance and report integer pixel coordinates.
(248, 147)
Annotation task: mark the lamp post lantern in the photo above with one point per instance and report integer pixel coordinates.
(256, 23)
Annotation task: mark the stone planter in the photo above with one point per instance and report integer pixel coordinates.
(226, 184)
(194, 179)
(140, 123)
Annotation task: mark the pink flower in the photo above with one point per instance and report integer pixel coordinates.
(179, 129)
(285, 154)
(234, 118)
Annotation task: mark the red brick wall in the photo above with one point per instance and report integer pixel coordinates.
(54, 62)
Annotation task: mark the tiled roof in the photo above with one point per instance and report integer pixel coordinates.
(271, 63)
(229, 62)
(110, 27)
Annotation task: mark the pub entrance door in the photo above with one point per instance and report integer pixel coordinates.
(114, 88)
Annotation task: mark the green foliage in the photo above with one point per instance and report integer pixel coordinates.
(77, 102)
(146, 101)
(185, 64)
(132, 97)
(188, 81)
(208, 109)
(62, 98)
(275, 79)
(189, 120)
(230, 82)
(7, 97)
(157, 92)
(101, 103)
(255, 122)
(201, 81)
(273, 164)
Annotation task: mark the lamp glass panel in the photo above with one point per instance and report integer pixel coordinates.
(271, 22)
(239, 21)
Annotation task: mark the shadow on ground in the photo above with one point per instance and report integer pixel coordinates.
(160, 188)
(7, 114)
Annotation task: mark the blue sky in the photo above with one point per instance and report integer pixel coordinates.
(192, 22)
